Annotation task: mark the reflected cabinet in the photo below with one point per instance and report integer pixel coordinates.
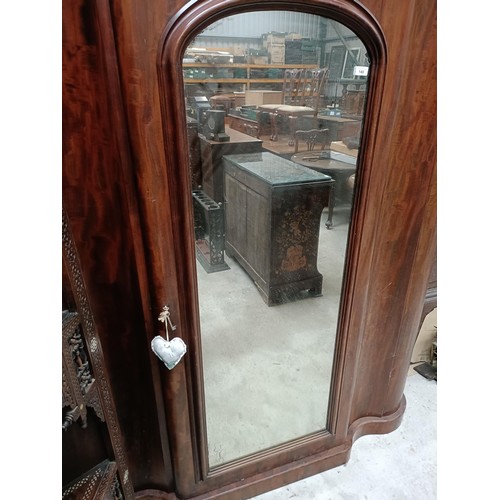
(273, 209)
(299, 313)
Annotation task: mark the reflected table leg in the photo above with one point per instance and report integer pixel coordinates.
(331, 206)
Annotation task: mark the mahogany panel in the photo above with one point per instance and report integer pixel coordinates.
(96, 196)
(430, 301)
(402, 250)
(138, 32)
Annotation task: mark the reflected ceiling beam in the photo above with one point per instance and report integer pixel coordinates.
(344, 40)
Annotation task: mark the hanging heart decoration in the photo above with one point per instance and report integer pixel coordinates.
(169, 351)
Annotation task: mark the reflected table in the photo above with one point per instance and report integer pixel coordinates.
(338, 166)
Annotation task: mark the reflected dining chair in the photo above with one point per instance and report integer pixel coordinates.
(301, 95)
(312, 85)
(291, 94)
(312, 137)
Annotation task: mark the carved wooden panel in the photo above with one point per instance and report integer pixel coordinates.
(79, 385)
(82, 350)
(100, 483)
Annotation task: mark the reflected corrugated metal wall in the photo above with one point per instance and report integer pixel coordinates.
(223, 34)
(240, 32)
(254, 24)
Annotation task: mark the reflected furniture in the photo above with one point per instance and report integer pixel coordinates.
(311, 138)
(342, 147)
(222, 102)
(237, 121)
(337, 165)
(252, 130)
(273, 209)
(290, 95)
(312, 85)
(301, 93)
(194, 152)
(236, 78)
(339, 127)
(211, 159)
(352, 101)
(227, 101)
(209, 232)
(262, 97)
(352, 98)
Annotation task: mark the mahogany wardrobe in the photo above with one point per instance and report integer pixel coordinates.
(129, 215)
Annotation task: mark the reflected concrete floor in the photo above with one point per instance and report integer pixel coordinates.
(267, 370)
(242, 406)
(401, 465)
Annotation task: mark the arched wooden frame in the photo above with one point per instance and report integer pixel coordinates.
(321, 450)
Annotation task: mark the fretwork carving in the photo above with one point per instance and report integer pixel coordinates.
(67, 395)
(80, 360)
(86, 352)
(99, 482)
(80, 392)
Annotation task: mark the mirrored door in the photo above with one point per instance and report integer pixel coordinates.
(273, 179)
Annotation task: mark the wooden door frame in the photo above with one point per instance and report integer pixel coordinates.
(321, 450)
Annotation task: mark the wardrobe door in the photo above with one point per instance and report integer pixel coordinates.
(367, 340)
(98, 195)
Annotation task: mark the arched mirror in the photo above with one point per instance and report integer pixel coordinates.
(275, 103)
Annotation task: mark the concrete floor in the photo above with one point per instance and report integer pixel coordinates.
(267, 373)
(401, 465)
(267, 370)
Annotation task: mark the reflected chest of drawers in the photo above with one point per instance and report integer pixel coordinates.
(273, 211)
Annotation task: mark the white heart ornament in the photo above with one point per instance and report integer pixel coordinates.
(169, 351)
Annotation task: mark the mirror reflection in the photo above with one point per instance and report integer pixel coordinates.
(274, 105)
